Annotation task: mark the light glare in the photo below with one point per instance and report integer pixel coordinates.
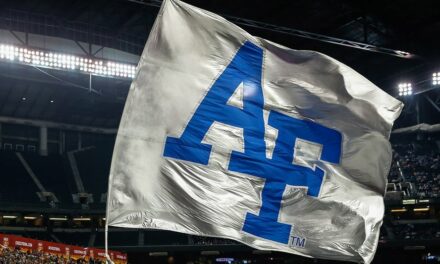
(405, 89)
(60, 61)
(436, 78)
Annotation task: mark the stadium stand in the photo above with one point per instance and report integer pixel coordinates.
(417, 231)
(21, 250)
(20, 257)
(51, 171)
(94, 166)
(17, 185)
(415, 171)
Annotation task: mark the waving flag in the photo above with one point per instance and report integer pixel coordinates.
(229, 135)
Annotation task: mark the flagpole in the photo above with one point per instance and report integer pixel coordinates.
(107, 256)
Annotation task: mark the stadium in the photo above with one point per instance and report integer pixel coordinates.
(66, 68)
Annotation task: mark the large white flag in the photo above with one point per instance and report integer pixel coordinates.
(229, 135)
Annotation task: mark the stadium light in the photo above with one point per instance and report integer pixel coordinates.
(66, 62)
(10, 217)
(409, 201)
(405, 89)
(398, 210)
(58, 218)
(436, 78)
(423, 209)
(82, 219)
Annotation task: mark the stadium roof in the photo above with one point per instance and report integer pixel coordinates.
(406, 25)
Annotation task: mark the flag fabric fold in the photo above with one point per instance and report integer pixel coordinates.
(229, 135)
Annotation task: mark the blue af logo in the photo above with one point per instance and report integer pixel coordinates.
(279, 171)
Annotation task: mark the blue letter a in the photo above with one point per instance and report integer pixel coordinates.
(245, 68)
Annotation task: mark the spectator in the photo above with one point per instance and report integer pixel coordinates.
(17, 256)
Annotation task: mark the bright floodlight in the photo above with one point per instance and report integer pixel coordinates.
(405, 89)
(436, 78)
(66, 62)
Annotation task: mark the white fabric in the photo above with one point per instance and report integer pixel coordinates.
(187, 50)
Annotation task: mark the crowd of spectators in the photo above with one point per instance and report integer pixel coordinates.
(416, 164)
(419, 165)
(17, 256)
(417, 232)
